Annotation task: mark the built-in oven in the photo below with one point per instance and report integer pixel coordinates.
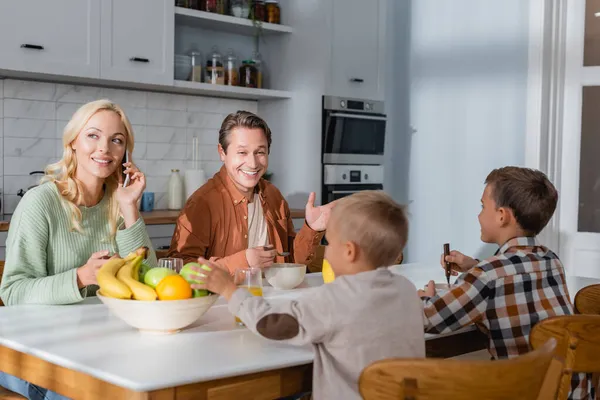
(343, 180)
(353, 131)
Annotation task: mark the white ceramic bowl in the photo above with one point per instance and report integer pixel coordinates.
(160, 317)
(285, 276)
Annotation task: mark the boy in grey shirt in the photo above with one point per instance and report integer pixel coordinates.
(366, 314)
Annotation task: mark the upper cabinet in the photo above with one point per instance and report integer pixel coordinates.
(133, 43)
(137, 41)
(52, 37)
(357, 49)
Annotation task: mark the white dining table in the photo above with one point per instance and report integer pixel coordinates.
(83, 351)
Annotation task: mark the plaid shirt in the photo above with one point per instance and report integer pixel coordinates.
(507, 294)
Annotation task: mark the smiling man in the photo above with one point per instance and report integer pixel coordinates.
(239, 219)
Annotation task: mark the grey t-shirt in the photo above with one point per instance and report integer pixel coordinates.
(351, 322)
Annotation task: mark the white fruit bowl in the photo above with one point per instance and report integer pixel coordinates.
(285, 276)
(159, 317)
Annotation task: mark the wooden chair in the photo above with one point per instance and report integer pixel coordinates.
(522, 377)
(578, 339)
(587, 300)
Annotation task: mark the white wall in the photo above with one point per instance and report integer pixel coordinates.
(34, 114)
(468, 104)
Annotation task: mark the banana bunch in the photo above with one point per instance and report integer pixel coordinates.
(118, 278)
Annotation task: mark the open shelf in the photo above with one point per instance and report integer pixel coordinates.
(234, 92)
(225, 23)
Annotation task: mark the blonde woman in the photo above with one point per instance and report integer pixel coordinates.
(63, 230)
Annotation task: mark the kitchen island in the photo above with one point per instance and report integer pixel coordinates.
(84, 352)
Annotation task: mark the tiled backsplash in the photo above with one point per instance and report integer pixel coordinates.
(34, 114)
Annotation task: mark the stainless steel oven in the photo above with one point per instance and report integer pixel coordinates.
(353, 131)
(343, 180)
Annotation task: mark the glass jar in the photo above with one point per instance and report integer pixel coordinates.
(240, 8)
(248, 74)
(258, 63)
(215, 73)
(259, 9)
(231, 70)
(273, 12)
(214, 6)
(196, 60)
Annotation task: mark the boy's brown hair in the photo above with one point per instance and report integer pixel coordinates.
(244, 119)
(374, 222)
(527, 192)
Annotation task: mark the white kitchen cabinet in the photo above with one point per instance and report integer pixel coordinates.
(137, 41)
(51, 37)
(357, 49)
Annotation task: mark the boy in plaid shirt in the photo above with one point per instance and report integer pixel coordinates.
(523, 283)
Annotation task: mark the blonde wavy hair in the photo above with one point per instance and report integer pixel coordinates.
(63, 172)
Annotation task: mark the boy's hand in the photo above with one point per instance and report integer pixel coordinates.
(460, 262)
(216, 280)
(429, 290)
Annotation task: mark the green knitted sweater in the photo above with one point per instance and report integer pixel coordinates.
(43, 252)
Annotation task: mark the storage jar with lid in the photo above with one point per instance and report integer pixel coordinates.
(196, 59)
(214, 6)
(259, 9)
(240, 8)
(273, 12)
(248, 74)
(215, 73)
(231, 69)
(258, 63)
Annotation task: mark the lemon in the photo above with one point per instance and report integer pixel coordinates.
(328, 275)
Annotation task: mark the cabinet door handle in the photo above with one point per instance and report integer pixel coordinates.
(357, 80)
(32, 46)
(139, 59)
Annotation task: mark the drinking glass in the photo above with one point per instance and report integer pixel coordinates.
(174, 264)
(251, 280)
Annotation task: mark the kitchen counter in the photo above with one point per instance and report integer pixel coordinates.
(163, 217)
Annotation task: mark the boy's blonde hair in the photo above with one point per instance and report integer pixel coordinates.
(63, 172)
(374, 222)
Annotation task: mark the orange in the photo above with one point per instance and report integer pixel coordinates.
(173, 287)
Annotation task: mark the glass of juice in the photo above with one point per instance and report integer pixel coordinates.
(251, 280)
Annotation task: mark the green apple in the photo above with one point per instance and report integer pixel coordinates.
(154, 275)
(199, 292)
(143, 269)
(187, 271)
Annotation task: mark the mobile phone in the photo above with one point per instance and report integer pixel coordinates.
(125, 176)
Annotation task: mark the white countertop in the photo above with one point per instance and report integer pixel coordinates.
(86, 337)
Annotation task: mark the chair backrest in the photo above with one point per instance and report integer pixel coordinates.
(1, 272)
(578, 342)
(429, 378)
(587, 300)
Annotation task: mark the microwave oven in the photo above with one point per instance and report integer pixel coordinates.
(353, 131)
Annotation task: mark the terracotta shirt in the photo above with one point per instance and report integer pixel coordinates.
(214, 224)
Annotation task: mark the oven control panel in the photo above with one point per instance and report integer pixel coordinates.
(352, 174)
